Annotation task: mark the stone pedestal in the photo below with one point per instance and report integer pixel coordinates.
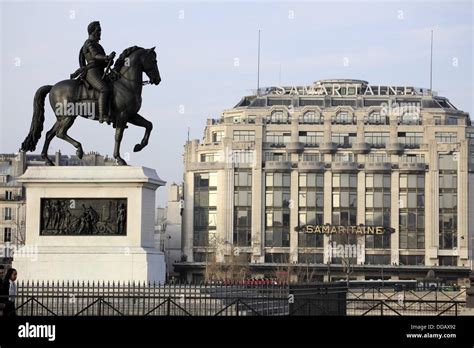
(73, 230)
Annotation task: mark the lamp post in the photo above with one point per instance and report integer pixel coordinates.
(168, 237)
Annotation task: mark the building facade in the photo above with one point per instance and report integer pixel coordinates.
(302, 176)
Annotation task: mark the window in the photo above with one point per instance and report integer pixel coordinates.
(279, 101)
(412, 211)
(310, 258)
(376, 118)
(7, 234)
(344, 157)
(377, 207)
(244, 135)
(217, 136)
(378, 158)
(343, 117)
(8, 195)
(278, 117)
(344, 199)
(413, 118)
(470, 137)
(377, 139)
(205, 209)
(203, 257)
(278, 138)
(377, 259)
(277, 257)
(311, 138)
(277, 209)
(448, 260)
(276, 156)
(451, 121)
(447, 162)
(311, 117)
(7, 213)
(343, 139)
(209, 157)
(243, 156)
(448, 202)
(311, 207)
(411, 140)
(242, 208)
(310, 157)
(412, 158)
(446, 137)
(412, 260)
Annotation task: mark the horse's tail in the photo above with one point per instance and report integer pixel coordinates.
(29, 144)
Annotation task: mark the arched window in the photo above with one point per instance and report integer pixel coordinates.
(409, 117)
(375, 118)
(343, 117)
(311, 117)
(278, 117)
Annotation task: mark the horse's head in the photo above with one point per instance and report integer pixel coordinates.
(150, 66)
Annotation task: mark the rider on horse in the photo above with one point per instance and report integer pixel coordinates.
(93, 61)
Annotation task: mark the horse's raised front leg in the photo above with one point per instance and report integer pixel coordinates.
(65, 123)
(140, 121)
(118, 139)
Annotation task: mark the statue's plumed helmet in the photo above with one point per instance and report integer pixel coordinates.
(92, 27)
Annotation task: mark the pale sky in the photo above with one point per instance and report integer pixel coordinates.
(207, 56)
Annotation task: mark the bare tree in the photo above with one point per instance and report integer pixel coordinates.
(235, 266)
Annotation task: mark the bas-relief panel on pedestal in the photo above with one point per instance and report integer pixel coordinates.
(83, 216)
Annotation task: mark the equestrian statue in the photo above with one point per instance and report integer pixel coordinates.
(114, 92)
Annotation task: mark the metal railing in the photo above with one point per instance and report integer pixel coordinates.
(115, 299)
(384, 301)
(141, 299)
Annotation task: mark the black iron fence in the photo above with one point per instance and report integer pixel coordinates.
(116, 299)
(383, 301)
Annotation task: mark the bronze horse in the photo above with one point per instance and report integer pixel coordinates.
(125, 103)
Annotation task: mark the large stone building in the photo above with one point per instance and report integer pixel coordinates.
(168, 230)
(291, 174)
(12, 194)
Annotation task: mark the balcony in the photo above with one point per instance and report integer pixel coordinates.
(295, 147)
(277, 145)
(344, 166)
(311, 166)
(328, 147)
(14, 198)
(278, 166)
(412, 167)
(310, 144)
(412, 145)
(359, 148)
(378, 167)
(378, 145)
(381, 121)
(205, 166)
(395, 148)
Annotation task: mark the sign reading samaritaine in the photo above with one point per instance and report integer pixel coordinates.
(341, 90)
(336, 229)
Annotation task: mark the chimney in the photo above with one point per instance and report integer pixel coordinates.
(57, 158)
